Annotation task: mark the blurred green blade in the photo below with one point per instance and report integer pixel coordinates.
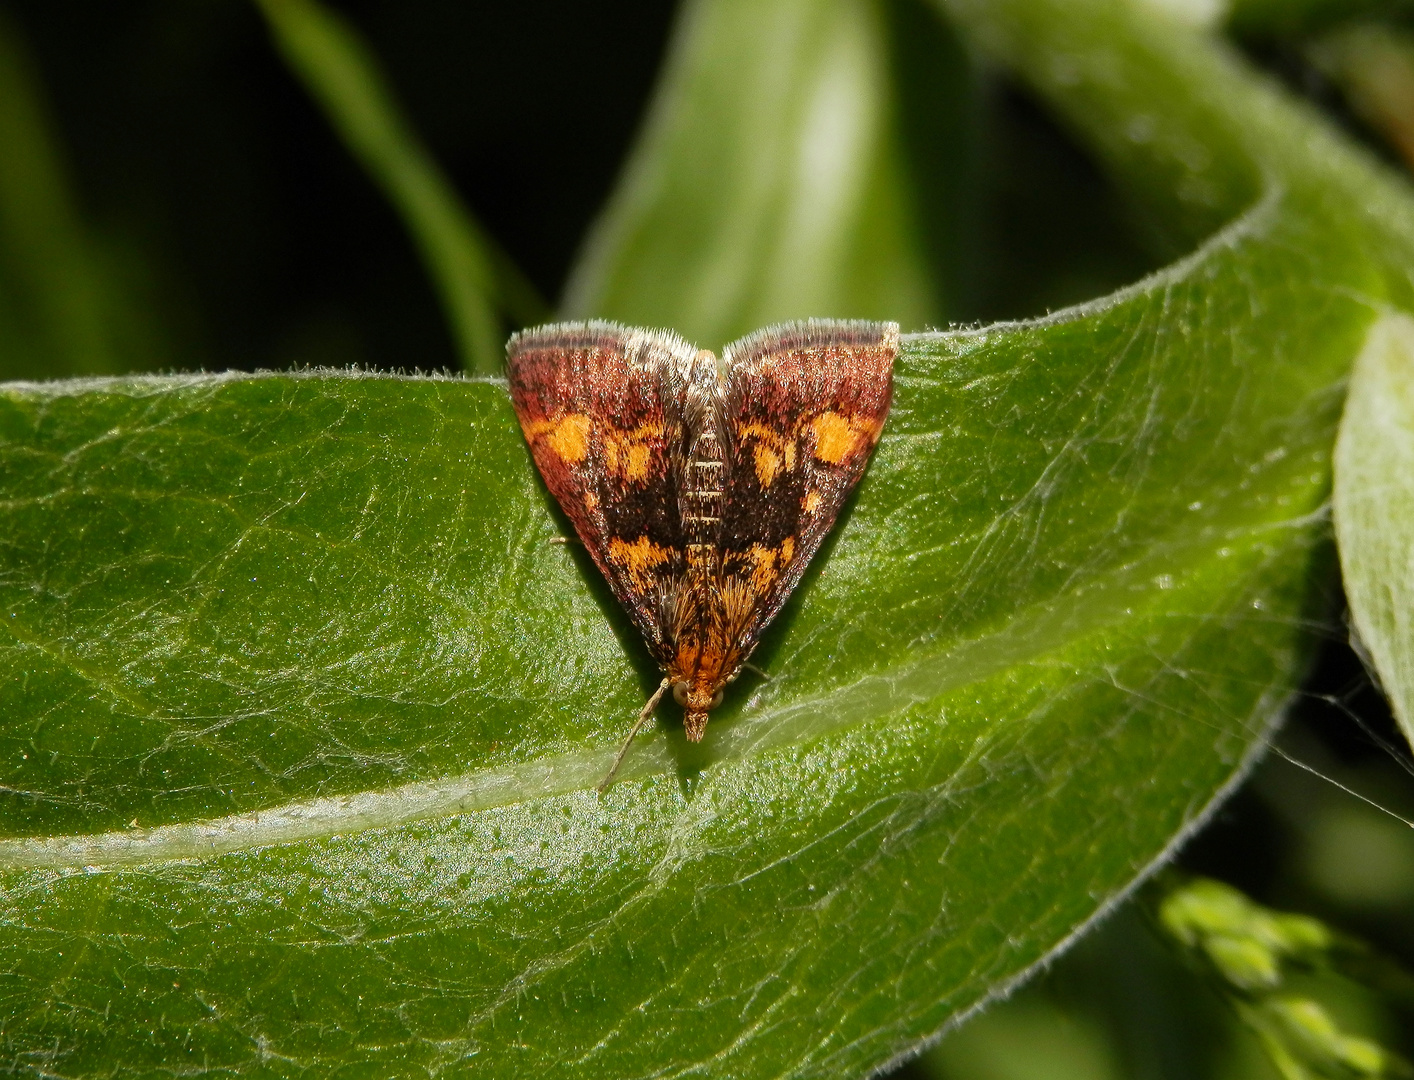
(471, 274)
(302, 712)
(767, 184)
(51, 311)
(1374, 507)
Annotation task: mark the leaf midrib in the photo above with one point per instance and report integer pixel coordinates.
(925, 677)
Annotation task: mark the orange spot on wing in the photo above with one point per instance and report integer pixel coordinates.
(638, 458)
(764, 572)
(763, 566)
(834, 438)
(768, 463)
(628, 454)
(838, 437)
(639, 557)
(773, 452)
(811, 502)
(567, 436)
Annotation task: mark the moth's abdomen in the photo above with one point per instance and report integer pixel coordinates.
(702, 494)
(701, 497)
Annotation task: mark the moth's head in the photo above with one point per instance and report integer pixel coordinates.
(698, 699)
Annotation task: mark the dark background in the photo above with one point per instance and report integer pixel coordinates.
(261, 243)
(224, 203)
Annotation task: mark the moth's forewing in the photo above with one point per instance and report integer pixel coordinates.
(804, 407)
(600, 406)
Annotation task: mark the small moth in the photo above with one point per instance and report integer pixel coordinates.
(701, 487)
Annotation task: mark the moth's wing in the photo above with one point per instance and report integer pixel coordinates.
(804, 407)
(600, 406)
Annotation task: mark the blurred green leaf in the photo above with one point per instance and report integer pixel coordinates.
(1122, 1002)
(768, 182)
(1305, 1042)
(52, 317)
(303, 713)
(1374, 507)
(471, 273)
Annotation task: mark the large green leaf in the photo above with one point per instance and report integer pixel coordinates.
(304, 712)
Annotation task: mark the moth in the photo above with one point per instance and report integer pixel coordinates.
(701, 487)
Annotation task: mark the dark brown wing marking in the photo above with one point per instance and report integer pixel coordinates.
(804, 406)
(600, 405)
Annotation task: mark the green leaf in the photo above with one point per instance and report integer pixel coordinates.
(472, 275)
(767, 184)
(302, 712)
(1374, 507)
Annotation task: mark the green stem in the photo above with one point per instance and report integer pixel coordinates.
(472, 276)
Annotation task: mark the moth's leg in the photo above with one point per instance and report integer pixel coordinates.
(749, 666)
(642, 719)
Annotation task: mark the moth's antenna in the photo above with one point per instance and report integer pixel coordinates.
(642, 719)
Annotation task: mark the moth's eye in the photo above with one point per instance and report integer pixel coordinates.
(680, 693)
(716, 699)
